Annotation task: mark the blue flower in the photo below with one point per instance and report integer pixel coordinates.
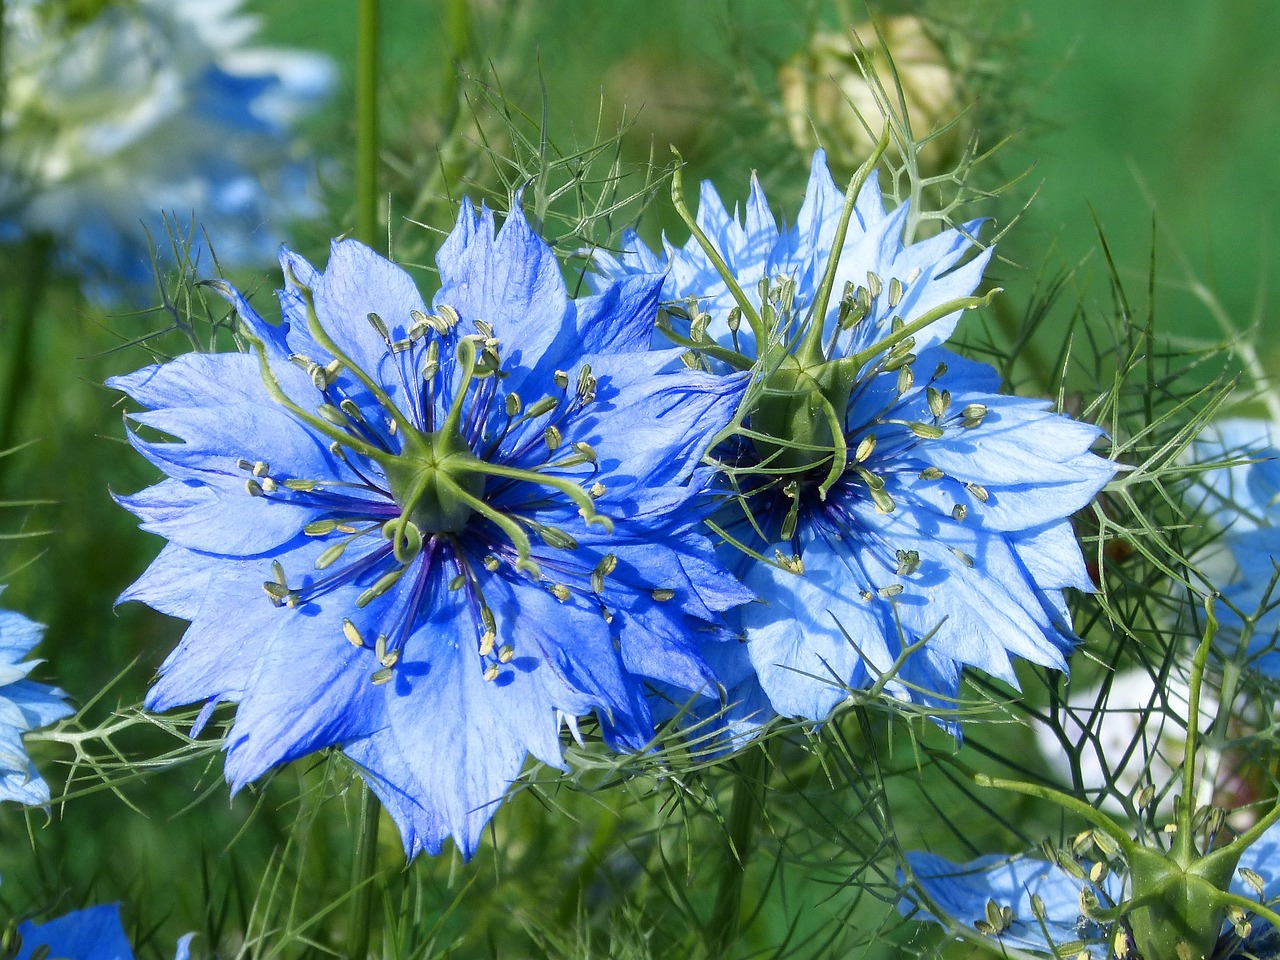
(94, 933)
(145, 110)
(428, 537)
(1243, 503)
(899, 518)
(964, 891)
(24, 706)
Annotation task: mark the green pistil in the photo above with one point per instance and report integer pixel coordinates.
(799, 410)
(423, 479)
(811, 348)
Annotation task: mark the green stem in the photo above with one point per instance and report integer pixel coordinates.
(858, 360)
(367, 123)
(1240, 844)
(1083, 810)
(1229, 899)
(276, 392)
(712, 349)
(366, 861)
(745, 811)
(602, 843)
(1184, 849)
(586, 506)
(18, 375)
(4, 86)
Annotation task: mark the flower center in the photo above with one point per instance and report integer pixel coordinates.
(435, 480)
(798, 417)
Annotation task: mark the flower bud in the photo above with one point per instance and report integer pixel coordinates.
(829, 102)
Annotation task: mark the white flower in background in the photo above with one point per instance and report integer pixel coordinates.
(1137, 735)
(143, 109)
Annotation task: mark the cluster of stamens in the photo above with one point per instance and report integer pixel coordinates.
(794, 454)
(426, 470)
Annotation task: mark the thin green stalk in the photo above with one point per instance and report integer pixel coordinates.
(745, 811)
(749, 311)
(4, 86)
(858, 360)
(18, 373)
(367, 123)
(603, 841)
(1184, 850)
(1087, 812)
(366, 861)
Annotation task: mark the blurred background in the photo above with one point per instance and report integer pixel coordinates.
(1152, 126)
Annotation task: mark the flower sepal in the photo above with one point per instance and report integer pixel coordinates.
(1175, 912)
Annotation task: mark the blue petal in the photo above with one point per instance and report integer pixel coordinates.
(92, 934)
(453, 741)
(355, 283)
(511, 281)
(620, 319)
(18, 635)
(962, 891)
(175, 583)
(200, 518)
(309, 689)
(811, 637)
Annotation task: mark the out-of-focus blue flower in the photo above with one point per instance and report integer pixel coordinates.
(150, 109)
(91, 934)
(24, 706)
(902, 514)
(976, 893)
(468, 524)
(1243, 502)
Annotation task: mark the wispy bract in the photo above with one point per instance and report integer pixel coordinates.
(898, 517)
(24, 706)
(428, 534)
(143, 111)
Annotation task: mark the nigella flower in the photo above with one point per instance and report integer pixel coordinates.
(428, 535)
(1242, 502)
(24, 706)
(143, 110)
(897, 516)
(1036, 905)
(94, 933)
